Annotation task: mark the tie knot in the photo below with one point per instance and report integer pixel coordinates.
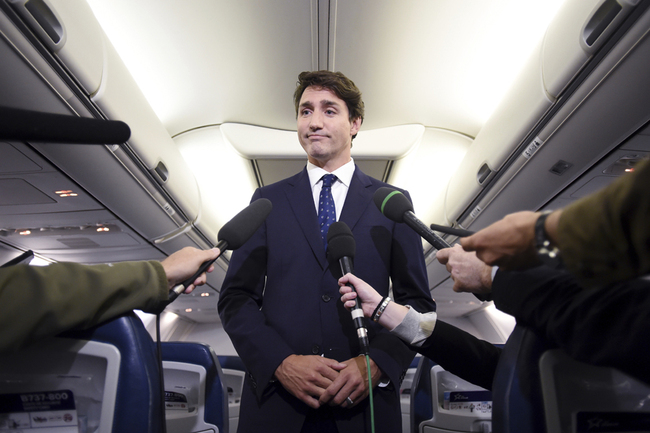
(328, 180)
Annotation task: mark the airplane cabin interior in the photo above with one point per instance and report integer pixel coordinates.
(477, 108)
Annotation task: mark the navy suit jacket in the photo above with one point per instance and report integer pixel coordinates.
(280, 297)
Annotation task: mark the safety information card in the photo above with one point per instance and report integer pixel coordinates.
(39, 412)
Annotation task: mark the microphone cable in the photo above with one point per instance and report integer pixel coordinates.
(372, 403)
(231, 236)
(161, 373)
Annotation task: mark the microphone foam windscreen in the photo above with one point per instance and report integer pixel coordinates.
(340, 241)
(25, 125)
(392, 203)
(242, 226)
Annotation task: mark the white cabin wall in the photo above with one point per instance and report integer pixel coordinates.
(225, 178)
(492, 325)
(172, 326)
(214, 335)
(426, 170)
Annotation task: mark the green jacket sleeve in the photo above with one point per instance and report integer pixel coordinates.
(38, 302)
(605, 237)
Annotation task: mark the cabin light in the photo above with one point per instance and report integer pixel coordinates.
(205, 294)
(188, 310)
(66, 193)
(624, 164)
(61, 231)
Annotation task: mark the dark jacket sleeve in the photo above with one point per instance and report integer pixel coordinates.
(462, 354)
(39, 302)
(605, 237)
(607, 326)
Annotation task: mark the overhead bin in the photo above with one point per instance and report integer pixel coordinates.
(71, 33)
(577, 32)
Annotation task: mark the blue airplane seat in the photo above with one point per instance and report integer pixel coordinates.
(231, 362)
(193, 373)
(102, 379)
(138, 405)
(516, 390)
(421, 394)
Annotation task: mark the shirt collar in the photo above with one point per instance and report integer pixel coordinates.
(343, 173)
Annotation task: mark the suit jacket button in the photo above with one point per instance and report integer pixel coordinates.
(326, 298)
(315, 349)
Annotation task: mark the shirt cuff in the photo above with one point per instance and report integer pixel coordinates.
(416, 327)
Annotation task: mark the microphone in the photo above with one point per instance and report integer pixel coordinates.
(397, 207)
(451, 231)
(341, 247)
(26, 125)
(232, 235)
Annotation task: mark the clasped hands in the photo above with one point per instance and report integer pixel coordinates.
(318, 381)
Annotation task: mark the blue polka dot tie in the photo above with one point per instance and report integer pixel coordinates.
(326, 210)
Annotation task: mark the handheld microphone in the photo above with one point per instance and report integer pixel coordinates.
(232, 236)
(397, 207)
(26, 125)
(451, 231)
(341, 247)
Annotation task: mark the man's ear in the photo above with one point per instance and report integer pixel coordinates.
(355, 126)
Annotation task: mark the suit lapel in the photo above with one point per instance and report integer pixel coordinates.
(357, 199)
(300, 199)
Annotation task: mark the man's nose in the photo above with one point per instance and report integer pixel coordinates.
(316, 121)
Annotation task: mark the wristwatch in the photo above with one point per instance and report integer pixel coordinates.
(547, 253)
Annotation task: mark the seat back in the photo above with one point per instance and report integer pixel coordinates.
(516, 388)
(579, 397)
(234, 373)
(104, 379)
(443, 402)
(542, 390)
(195, 393)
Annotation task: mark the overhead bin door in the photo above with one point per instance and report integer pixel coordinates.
(71, 33)
(578, 31)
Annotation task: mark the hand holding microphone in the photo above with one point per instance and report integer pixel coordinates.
(182, 264)
(231, 236)
(341, 247)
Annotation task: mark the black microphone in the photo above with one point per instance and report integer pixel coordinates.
(26, 125)
(397, 207)
(232, 235)
(341, 247)
(451, 231)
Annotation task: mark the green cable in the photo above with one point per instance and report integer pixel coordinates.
(372, 405)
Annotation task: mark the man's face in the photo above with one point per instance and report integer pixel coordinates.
(324, 128)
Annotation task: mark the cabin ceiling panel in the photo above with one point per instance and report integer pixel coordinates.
(438, 63)
(441, 63)
(210, 62)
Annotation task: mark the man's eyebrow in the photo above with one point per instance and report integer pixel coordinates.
(324, 102)
(329, 103)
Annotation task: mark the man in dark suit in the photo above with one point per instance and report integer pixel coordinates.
(279, 301)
